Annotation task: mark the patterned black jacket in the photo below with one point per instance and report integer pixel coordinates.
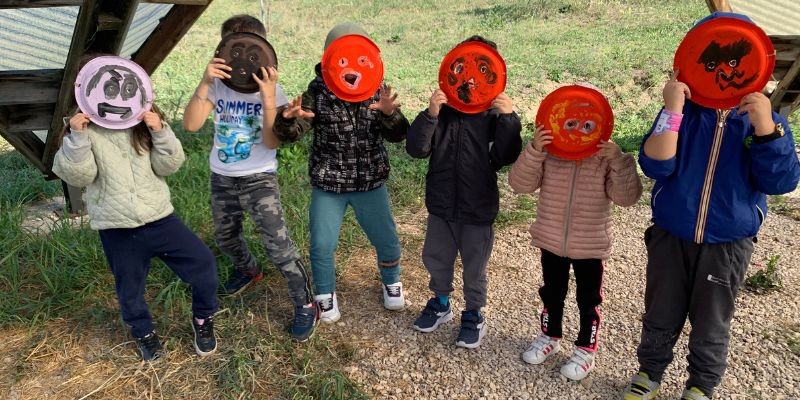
(347, 154)
(465, 151)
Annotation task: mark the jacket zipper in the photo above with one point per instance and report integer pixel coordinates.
(455, 169)
(705, 198)
(655, 196)
(760, 216)
(569, 206)
(354, 120)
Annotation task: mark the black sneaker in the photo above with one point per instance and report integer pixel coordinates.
(239, 281)
(433, 315)
(205, 343)
(150, 347)
(305, 320)
(473, 327)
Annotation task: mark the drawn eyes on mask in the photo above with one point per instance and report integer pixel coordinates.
(364, 61)
(585, 127)
(343, 62)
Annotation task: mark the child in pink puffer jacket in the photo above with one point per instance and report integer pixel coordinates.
(573, 227)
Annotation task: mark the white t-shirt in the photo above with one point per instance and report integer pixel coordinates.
(238, 119)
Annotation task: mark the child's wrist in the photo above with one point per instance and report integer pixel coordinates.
(668, 121)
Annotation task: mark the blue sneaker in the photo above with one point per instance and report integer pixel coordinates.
(433, 315)
(305, 320)
(473, 328)
(239, 281)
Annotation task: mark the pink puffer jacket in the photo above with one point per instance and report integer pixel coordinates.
(574, 212)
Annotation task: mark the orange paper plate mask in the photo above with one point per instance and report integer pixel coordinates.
(724, 58)
(579, 118)
(471, 76)
(352, 68)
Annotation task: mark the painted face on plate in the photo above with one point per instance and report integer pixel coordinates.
(113, 91)
(579, 118)
(723, 59)
(246, 53)
(352, 68)
(471, 76)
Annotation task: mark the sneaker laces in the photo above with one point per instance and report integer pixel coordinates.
(206, 330)
(303, 318)
(149, 341)
(326, 304)
(393, 291)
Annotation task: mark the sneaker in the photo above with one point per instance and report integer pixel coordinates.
(205, 343)
(150, 347)
(641, 388)
(579, 365)
(393, 298)
(240, 281)
(694, 393)
(305, 320)
(473, 328)
(328, 307)
(433, 315)
(541, 349)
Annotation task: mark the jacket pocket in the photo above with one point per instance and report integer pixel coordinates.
(759, 216)
(655, 197)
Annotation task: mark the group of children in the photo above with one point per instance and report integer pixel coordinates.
(128, 201)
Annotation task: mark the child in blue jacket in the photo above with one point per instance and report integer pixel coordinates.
(713, 169)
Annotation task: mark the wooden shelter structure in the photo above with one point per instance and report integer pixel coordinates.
(37, 72)
(780, 19)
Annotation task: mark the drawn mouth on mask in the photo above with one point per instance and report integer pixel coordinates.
(105, 108)
(351, 78)
(726, 81)
(464, 91)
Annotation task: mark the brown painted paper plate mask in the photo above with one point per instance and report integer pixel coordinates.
(724, 59)
(471, 76)
(579, 118)
(352, 68)
(246, 53)
(114, 92)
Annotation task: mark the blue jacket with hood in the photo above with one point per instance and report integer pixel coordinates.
(714, 190)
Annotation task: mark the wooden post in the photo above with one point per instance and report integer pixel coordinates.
(74, 199)
(166, 35)
(719, 5)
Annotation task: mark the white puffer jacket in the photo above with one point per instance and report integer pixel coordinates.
(124, 189)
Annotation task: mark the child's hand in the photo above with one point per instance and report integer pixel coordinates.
(437, 99)
(541, 137)
(79, 122)
(295, 110)
(216, 69)
(267, 86)
(609, 149)
(760, 110)
(387, 103)
(675, 94)
(153, 121)
(503, 103)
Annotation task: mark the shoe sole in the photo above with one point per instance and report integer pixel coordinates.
(532, 362)
(481, 334)
(578, 379)
(331, 319)
(245, 287)
(631, 396)
(443, 319)
(310, 335)
(197, 349)
(395, 308)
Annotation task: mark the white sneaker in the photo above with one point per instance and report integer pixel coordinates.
(393, 298)
(541, 349)
(579, 365)
(328, 307)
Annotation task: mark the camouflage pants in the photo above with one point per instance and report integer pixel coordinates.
(259, 196)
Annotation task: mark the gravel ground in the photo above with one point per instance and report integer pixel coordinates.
(394, 361)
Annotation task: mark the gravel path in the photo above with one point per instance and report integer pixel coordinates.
(394, 361)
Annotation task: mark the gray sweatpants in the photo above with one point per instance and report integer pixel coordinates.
(698, 280)
(259, 196)
(443, 241)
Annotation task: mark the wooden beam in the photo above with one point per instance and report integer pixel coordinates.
(29, 87)
(180, 2)
(31, 117)
(784, 84)
(29, 145)
(166, 35)
(38, 3)
(718, 5)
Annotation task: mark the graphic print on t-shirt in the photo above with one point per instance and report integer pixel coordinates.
(238, 129)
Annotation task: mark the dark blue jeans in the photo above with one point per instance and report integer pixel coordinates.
(129, 252)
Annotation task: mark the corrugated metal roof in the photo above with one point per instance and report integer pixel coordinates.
(39, 38)
(775, 17)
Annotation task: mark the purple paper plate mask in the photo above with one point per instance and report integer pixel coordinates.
(114, 92)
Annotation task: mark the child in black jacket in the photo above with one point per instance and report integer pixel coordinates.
(466, 151)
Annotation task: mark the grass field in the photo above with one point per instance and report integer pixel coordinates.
(57, 303)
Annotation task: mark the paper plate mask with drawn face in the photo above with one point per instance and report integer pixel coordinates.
(114, 92)
(352, 68)
(724, 59)
(579, 118)
(471, 76)
(246, 53)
